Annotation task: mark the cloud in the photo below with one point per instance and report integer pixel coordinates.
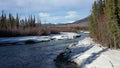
(72, 14)
(50, 10)
(43, 15)
(43, 5)
(68, 17)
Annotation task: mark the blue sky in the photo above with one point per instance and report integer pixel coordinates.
(49, 11)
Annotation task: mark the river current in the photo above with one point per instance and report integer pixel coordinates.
(38, 55)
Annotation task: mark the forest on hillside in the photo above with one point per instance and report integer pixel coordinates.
(105, 22)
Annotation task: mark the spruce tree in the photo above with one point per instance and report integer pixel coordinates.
(105, 20)
(17, 20)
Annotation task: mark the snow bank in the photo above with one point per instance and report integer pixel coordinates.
(88, 54)
(35, 39)
(87, 41)
(60, 37)
(85, 31)
(23, 39)
(66, 35)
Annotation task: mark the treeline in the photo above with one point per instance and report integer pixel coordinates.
(10, 22)
(105, 22)
(12, 26)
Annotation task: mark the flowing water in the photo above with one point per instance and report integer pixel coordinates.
(39, 55)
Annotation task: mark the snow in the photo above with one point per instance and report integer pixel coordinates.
(88, 54)
(22, 39)
(86, 42)
(65, 35)
(85, 32)
(61, 36)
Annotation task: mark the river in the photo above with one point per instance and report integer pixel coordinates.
(39, 55)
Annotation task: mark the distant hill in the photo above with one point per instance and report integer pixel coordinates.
(84, 20)
(79, 23)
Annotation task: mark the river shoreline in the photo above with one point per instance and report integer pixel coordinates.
(62, 60)
(36, 55)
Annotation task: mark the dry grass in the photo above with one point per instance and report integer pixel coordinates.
(36, 31)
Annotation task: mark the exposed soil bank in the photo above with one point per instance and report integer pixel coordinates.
(62, 62)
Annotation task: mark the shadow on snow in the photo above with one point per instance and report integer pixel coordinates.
(91, 58)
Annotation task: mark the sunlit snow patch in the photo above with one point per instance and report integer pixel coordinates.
(88, 54)
(66, 35)
(21, 40)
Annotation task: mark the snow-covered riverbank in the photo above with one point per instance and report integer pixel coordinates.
(35, 39)
(88, 54)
